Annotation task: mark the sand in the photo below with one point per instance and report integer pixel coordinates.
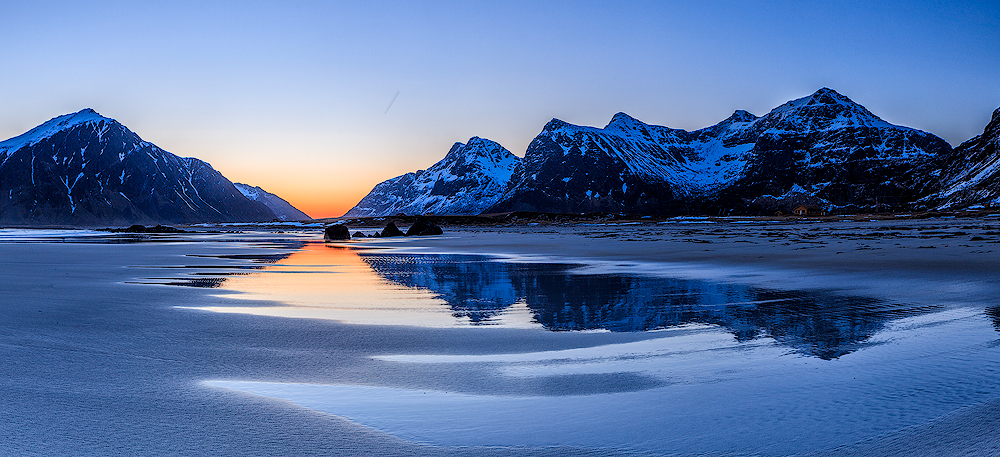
(97, 364)
(933, 261)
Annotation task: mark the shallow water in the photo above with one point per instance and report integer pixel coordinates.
(106, 354)
(725, 367)
(440, 290)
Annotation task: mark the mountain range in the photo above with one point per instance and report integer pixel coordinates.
(282, 210)
(84, 169)
(823, 149)
(470, 179)
(971, 177)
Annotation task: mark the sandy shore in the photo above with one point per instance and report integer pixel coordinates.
(924, 261)
(96, 364)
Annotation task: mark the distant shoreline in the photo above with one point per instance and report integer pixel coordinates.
(916, 260)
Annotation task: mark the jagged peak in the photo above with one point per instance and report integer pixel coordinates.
(622, 119)
(51, 127)
(73, 119)
(990, 133)
(823, 96)
(828, 92)
(740, 116)
(555, 124)
(477, 142)
(827, 103)
(477, 146)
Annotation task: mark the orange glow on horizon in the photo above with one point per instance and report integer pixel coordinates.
(322, 209)
(318, 202)
(318, 194)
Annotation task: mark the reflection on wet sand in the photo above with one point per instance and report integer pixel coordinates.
(372, 287)
(994, 314)
(332, 282)
(822, 324)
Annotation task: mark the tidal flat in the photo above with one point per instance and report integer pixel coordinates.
(686, 337)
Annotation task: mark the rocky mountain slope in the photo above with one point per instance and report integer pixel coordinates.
(471, 178)
(971, 175)
(823, 149)
(280, 207)
(86, 169)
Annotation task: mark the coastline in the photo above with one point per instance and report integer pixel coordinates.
(925, 261)
(82, 339)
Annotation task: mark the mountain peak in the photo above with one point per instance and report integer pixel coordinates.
(555, 124)
(70, 120)
(279, 206)
(480, 142)
(623, 119)
(827, 96)
(477, 147)
(83, 168)
(740, 116)
(826, 108)
(51, 127)
(469, 179)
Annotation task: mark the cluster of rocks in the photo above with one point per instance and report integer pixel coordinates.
(143, 229)
(421, 227)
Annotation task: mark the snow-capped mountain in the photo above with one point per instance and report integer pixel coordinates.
(823, 148)
(471, 178)
(826, 149)
(86, 169)
(971, 176)
(281, 208)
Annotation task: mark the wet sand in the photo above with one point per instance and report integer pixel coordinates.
(936, 260)
(97, 364)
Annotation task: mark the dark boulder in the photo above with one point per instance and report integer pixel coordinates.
(143, 229)
(336, 232)
(423, 227)
(392, 230)
(358, 235)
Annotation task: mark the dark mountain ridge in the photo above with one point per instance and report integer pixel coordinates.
(971, 174)
(83, 169)
(468, 180)
(823, 150)
(283, 210)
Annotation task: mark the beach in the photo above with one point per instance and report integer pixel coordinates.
(871, 338)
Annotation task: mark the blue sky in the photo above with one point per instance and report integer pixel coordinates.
(292, 97)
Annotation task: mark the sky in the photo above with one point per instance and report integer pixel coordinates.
(319, 101)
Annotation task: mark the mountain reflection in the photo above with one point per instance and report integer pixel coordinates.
(822, 324)
(994, 314)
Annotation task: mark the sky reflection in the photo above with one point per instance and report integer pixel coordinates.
(325, 281)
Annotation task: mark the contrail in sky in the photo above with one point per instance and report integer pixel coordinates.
(390, 103)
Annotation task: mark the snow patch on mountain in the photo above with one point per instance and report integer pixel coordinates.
(49, 128)
(972, 175)
(824, 137)
(470, 178)
(86, 169)
(248, 191)
(282, 209)
(823, 110)
(820, 148)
